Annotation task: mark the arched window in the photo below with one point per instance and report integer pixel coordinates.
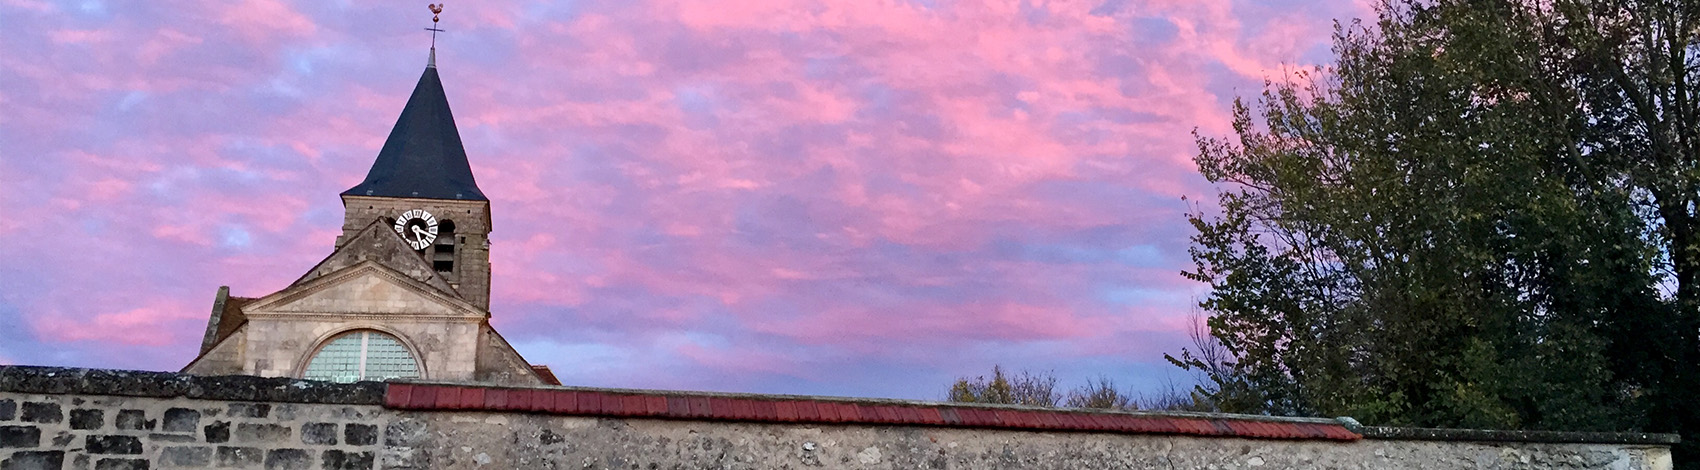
(362, 355)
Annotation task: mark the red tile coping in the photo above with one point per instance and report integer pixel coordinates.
(801, 409)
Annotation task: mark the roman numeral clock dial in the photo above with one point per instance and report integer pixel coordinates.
(417, 227)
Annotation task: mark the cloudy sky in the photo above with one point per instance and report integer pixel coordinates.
(842, 197)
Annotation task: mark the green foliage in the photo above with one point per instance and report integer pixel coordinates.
(1024, 389)
(1482, 215)
(1031, 389)
(1101, 393)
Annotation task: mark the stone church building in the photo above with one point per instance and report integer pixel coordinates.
(406, 291)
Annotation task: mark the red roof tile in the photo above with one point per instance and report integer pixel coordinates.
(396, 395)
(699, 408)
(766, 411)
(589, 403)
(496, 399)
(563, 401)
(423, 397)
(808, 412)
(670, 405)
(949, 416)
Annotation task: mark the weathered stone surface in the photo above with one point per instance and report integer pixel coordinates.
(121, 464)
(132, 420)
(69, 381)
(404, 433)
(321, 434)
(186, 456)
(239, 457)
(355, 434)
(218, 432)
(82, 419)
(483, 440)
(181, 420)
(8, 410)
(288, 459)
(42, 413)
(249, 410)
(250, 433)
(113, 445)
(1487, 435)
(340, 460)
(16, 437)
(34, 460)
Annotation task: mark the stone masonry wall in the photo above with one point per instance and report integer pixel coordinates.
(460, 440)
(54, 419)
(132, 433)
(112, 433)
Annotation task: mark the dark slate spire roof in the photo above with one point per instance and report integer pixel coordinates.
(423, 157)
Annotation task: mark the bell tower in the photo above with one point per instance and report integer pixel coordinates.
(422, 187)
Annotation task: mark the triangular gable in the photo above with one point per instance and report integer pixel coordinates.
(367, 288)
(378, 242)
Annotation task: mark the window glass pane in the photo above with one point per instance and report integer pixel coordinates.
(362, 355)
(338, 361)
(386, 358)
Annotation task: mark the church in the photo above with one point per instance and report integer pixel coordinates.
(405, 293)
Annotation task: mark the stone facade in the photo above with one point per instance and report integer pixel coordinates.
(471, 274)
(375, 282)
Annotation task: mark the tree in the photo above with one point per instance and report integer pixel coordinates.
(1470, 219)
(1024, 389)
(1103, 394)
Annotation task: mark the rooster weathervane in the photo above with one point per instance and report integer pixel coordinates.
(435, 10)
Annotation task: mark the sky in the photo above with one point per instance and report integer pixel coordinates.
(833, 197)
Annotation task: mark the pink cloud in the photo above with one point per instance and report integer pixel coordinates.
(896, 190)
(154, 325)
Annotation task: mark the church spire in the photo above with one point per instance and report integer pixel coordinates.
(423, 156)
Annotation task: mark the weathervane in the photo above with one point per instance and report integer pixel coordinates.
(435, 10)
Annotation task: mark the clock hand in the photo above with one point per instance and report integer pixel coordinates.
(421, 232)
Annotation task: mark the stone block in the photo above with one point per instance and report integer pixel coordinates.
(171, 437)
(113, 445)
(218, 432)
(19, 437)
(238, 457)
(42, 412)
(63, 439)
(340, 460)
(132, 420)
(262, 433)
(321, 434)
(181, 420)
(8, 410)
(121, 464)
(44, 460)
(249, 410)
(404, 433)
(186, 456)
(87, 419)
(359, 434)
(288, 459)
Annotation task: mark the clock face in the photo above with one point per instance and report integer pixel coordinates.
(418, 227)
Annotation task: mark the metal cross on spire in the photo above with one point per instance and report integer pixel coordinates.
(435, 9)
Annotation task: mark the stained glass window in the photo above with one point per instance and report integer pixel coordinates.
(362, 355)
